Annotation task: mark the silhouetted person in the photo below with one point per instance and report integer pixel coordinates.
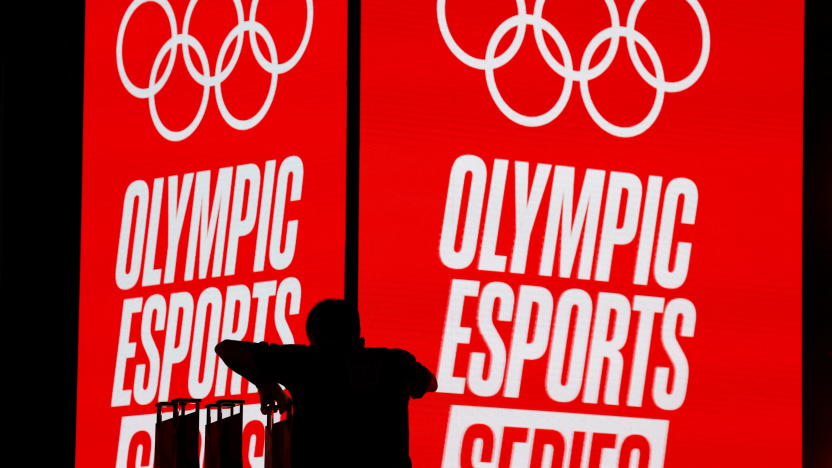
(350, 401)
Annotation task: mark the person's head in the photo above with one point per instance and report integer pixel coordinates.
(334, 323)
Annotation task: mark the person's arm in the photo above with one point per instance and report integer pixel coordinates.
(426, 381)
(244, 358)
(420, 379)
(433, 385)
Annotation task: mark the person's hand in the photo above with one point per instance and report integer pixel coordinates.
(273, 398)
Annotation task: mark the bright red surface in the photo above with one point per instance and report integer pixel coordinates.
(736, 133)
(306, 118)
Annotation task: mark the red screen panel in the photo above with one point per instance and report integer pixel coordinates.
(213, 201)
(585, 217)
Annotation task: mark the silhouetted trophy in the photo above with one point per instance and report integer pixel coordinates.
(278, 441)
(177, 439)
(224, 437)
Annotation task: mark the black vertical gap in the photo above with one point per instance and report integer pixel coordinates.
(817, 232)
(353, 130)
(41, 97)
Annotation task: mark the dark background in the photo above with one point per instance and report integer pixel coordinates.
(817, 237)
(41, 100)
(41, 86)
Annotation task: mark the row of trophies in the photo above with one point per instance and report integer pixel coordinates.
(177, 438)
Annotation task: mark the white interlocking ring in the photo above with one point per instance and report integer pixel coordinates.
(204, 76)
(519, 22)
(585, 72)
(653, 114)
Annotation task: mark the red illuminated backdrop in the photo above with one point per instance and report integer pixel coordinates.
(596, 248)
(609, 268)
(213, 200)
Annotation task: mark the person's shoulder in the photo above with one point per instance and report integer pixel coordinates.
(390, 354)
(285, 348)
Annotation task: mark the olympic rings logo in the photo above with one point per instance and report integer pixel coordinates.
(205, 78)
(584, 73)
